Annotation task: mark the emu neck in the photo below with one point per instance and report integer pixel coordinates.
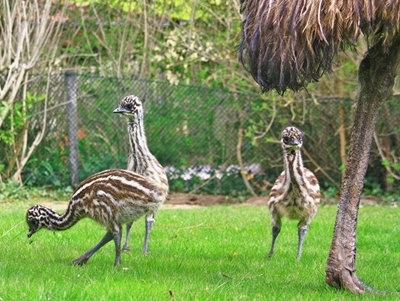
(59, 222)
(293, 168)
(139, 154)
(141, 160)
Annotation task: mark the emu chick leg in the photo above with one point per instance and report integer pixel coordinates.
(302, 233)
(128, 232)
(117, 240)
(148, 226)
(85, 257)
(275, 232)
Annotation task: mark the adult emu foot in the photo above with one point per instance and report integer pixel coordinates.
(345, 279)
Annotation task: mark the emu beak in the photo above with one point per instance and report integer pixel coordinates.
(120, 110)
(30, 233)
(294, 142)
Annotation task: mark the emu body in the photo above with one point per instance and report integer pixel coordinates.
(140, 159)
(111, 198)
(295, 193)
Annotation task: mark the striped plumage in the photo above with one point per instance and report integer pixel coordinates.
(295, 193)
(140, 159)
(112, 198)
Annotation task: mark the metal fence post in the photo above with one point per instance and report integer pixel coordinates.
(71, 89)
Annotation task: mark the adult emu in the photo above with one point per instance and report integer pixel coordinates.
(287, 44)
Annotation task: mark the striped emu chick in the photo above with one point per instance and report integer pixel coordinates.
(111, 198)
(140, 159)
(295, 193)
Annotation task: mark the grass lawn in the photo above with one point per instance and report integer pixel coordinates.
(207, 253)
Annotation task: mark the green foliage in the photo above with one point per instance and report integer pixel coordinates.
(262, 112)
(374, 190)
(191, 42)
(15, 131)
(180, 41)
(90, 152)
(393, 165)
(176, 9)
(20, 114)
(331, 193)
(55, 171)
(12, 190)
(169, 119)
(192, 126)
(52, 172)
(6, 135)
(211, 253)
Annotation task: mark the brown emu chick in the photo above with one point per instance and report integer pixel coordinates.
(112, 198)
(140, 159)
(296, 193)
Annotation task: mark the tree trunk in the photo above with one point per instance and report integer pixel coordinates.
(376, 78)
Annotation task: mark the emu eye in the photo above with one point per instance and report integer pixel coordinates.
(129, 106)
(285, 139)
(32, 221)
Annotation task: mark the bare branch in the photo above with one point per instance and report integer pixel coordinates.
(381, 153)
(30, 37)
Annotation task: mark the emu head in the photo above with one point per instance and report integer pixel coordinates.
(292, 138)
(130, 106)
(36, 218)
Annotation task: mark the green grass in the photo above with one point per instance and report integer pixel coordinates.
(213, 253)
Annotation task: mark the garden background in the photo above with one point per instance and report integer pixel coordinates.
(205, 119)
(64, 65)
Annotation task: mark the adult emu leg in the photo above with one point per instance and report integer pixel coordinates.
(376, 78)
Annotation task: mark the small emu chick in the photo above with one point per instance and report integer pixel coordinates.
(112, 198)
(140, 159)
(295, 193)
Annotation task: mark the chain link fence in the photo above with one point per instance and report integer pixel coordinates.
(209, 140)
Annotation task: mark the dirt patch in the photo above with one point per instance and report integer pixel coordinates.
(196, 199)
(188, 201)
(180, 199)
